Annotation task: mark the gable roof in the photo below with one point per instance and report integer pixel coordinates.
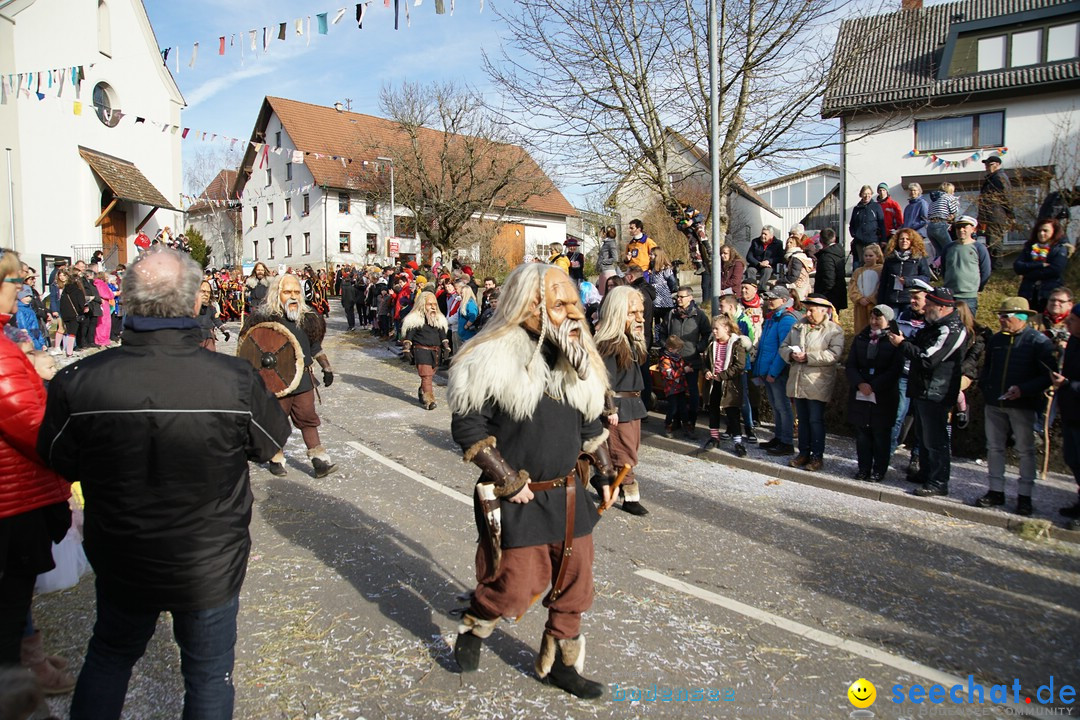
(219, 189)
(824, 168)
(903, 68)
(355, 139)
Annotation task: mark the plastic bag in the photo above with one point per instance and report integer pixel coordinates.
(71, 565)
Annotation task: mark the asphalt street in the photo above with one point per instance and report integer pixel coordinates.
(765, 597)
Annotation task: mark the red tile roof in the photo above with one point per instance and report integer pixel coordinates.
(359, 138)
(220, 188)
(124, 179)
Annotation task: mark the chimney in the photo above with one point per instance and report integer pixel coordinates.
(911, 4)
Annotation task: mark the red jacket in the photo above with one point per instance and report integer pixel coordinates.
(894, 215)
(25, 483)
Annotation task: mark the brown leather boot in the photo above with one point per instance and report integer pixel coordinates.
(53, 680)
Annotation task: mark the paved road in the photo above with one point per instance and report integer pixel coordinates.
(774, 595)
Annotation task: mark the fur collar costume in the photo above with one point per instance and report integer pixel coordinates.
(313, 324)
(507, 370)
(417, 318)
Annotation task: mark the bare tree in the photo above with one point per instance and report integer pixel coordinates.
(601, 83)
(214, 214)
(453, 160)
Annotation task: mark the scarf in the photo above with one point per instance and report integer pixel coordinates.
(755, 303)
(1039, 252)
(1052, 320)
(139, 323)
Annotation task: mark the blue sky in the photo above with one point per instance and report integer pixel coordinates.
(224, 93)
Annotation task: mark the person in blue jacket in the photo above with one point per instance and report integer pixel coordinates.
(771, 371)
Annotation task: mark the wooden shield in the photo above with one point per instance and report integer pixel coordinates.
(275, 354)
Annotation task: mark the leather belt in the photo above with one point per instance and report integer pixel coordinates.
(549, 484)
(945, 220)
(427, 347)
(628, 394)
(568, 539)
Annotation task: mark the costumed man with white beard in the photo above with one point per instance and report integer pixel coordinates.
(620, 339)
(426, 338)
(527, 395)
(301, 331)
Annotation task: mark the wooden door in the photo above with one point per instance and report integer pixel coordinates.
(114, 238)
(509, 244)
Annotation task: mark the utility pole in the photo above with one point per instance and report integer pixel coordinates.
(714, 151)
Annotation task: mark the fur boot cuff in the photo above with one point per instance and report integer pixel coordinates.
(318, 452)
(476, 626)
(571, 650)
(631, 492)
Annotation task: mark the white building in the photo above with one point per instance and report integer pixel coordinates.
(307, 201)
(689, 168)
(970, 79)
(809, 197)
(216, 215)
(89, 165)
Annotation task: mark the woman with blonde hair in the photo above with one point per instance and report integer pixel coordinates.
(905, 260)
(863, 287)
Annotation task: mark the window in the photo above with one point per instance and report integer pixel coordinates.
(1025, 48)
(105, 105)
(255, 246)
(104, 29)
(288, 246)
(288, 171)
(1061, 42)
(815, 189)
(992, 53)
(372, 243)
(343, 203)
(344, 242)
(269, 177)
(271, 243)
(797, 194)
(254, 215)
(269, 213)
(405, 226)
(960, 133)
(277, 138)
(307, 243)
(307, 205)
(288, 209)
(780, 197)
(369, 207)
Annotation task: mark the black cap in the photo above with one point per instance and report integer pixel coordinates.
(941, 296)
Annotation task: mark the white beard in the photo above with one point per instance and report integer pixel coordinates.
(292, 312)
(574, 350)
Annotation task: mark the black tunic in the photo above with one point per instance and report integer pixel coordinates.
(628, 380)
(426, 335)
(545, 445)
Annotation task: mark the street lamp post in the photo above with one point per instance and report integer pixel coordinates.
(392, 228)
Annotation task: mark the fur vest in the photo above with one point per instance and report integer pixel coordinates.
(507, 370)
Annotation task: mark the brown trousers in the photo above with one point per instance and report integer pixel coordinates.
(623, 442)
(525, 572)
(301, 410)
(426, 372)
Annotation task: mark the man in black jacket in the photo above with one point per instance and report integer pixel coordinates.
(1067, 388)
(691, 324)
(830, 280)
(936, 353)
(1017, 368)
(159, 432)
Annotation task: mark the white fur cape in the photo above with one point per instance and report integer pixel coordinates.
(419, 318)
(498, 370)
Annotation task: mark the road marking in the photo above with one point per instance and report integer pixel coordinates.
(398, 467)
(819, 636)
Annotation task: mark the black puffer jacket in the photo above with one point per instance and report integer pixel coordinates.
(159, 431)
(936, 354)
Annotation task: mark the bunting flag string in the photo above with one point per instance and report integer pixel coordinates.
(117, 118)
(935, 160)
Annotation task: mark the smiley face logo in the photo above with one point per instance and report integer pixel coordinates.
(862, 693)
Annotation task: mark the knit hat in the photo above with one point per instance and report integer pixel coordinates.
(885, 311)
(884, 185)
(941, 296)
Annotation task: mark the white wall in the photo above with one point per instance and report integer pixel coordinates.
(51, 174)
(1030, 123)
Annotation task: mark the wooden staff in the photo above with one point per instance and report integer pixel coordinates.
(615, 489)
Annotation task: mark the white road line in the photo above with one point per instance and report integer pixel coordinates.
(819, 636)
(398, 467)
